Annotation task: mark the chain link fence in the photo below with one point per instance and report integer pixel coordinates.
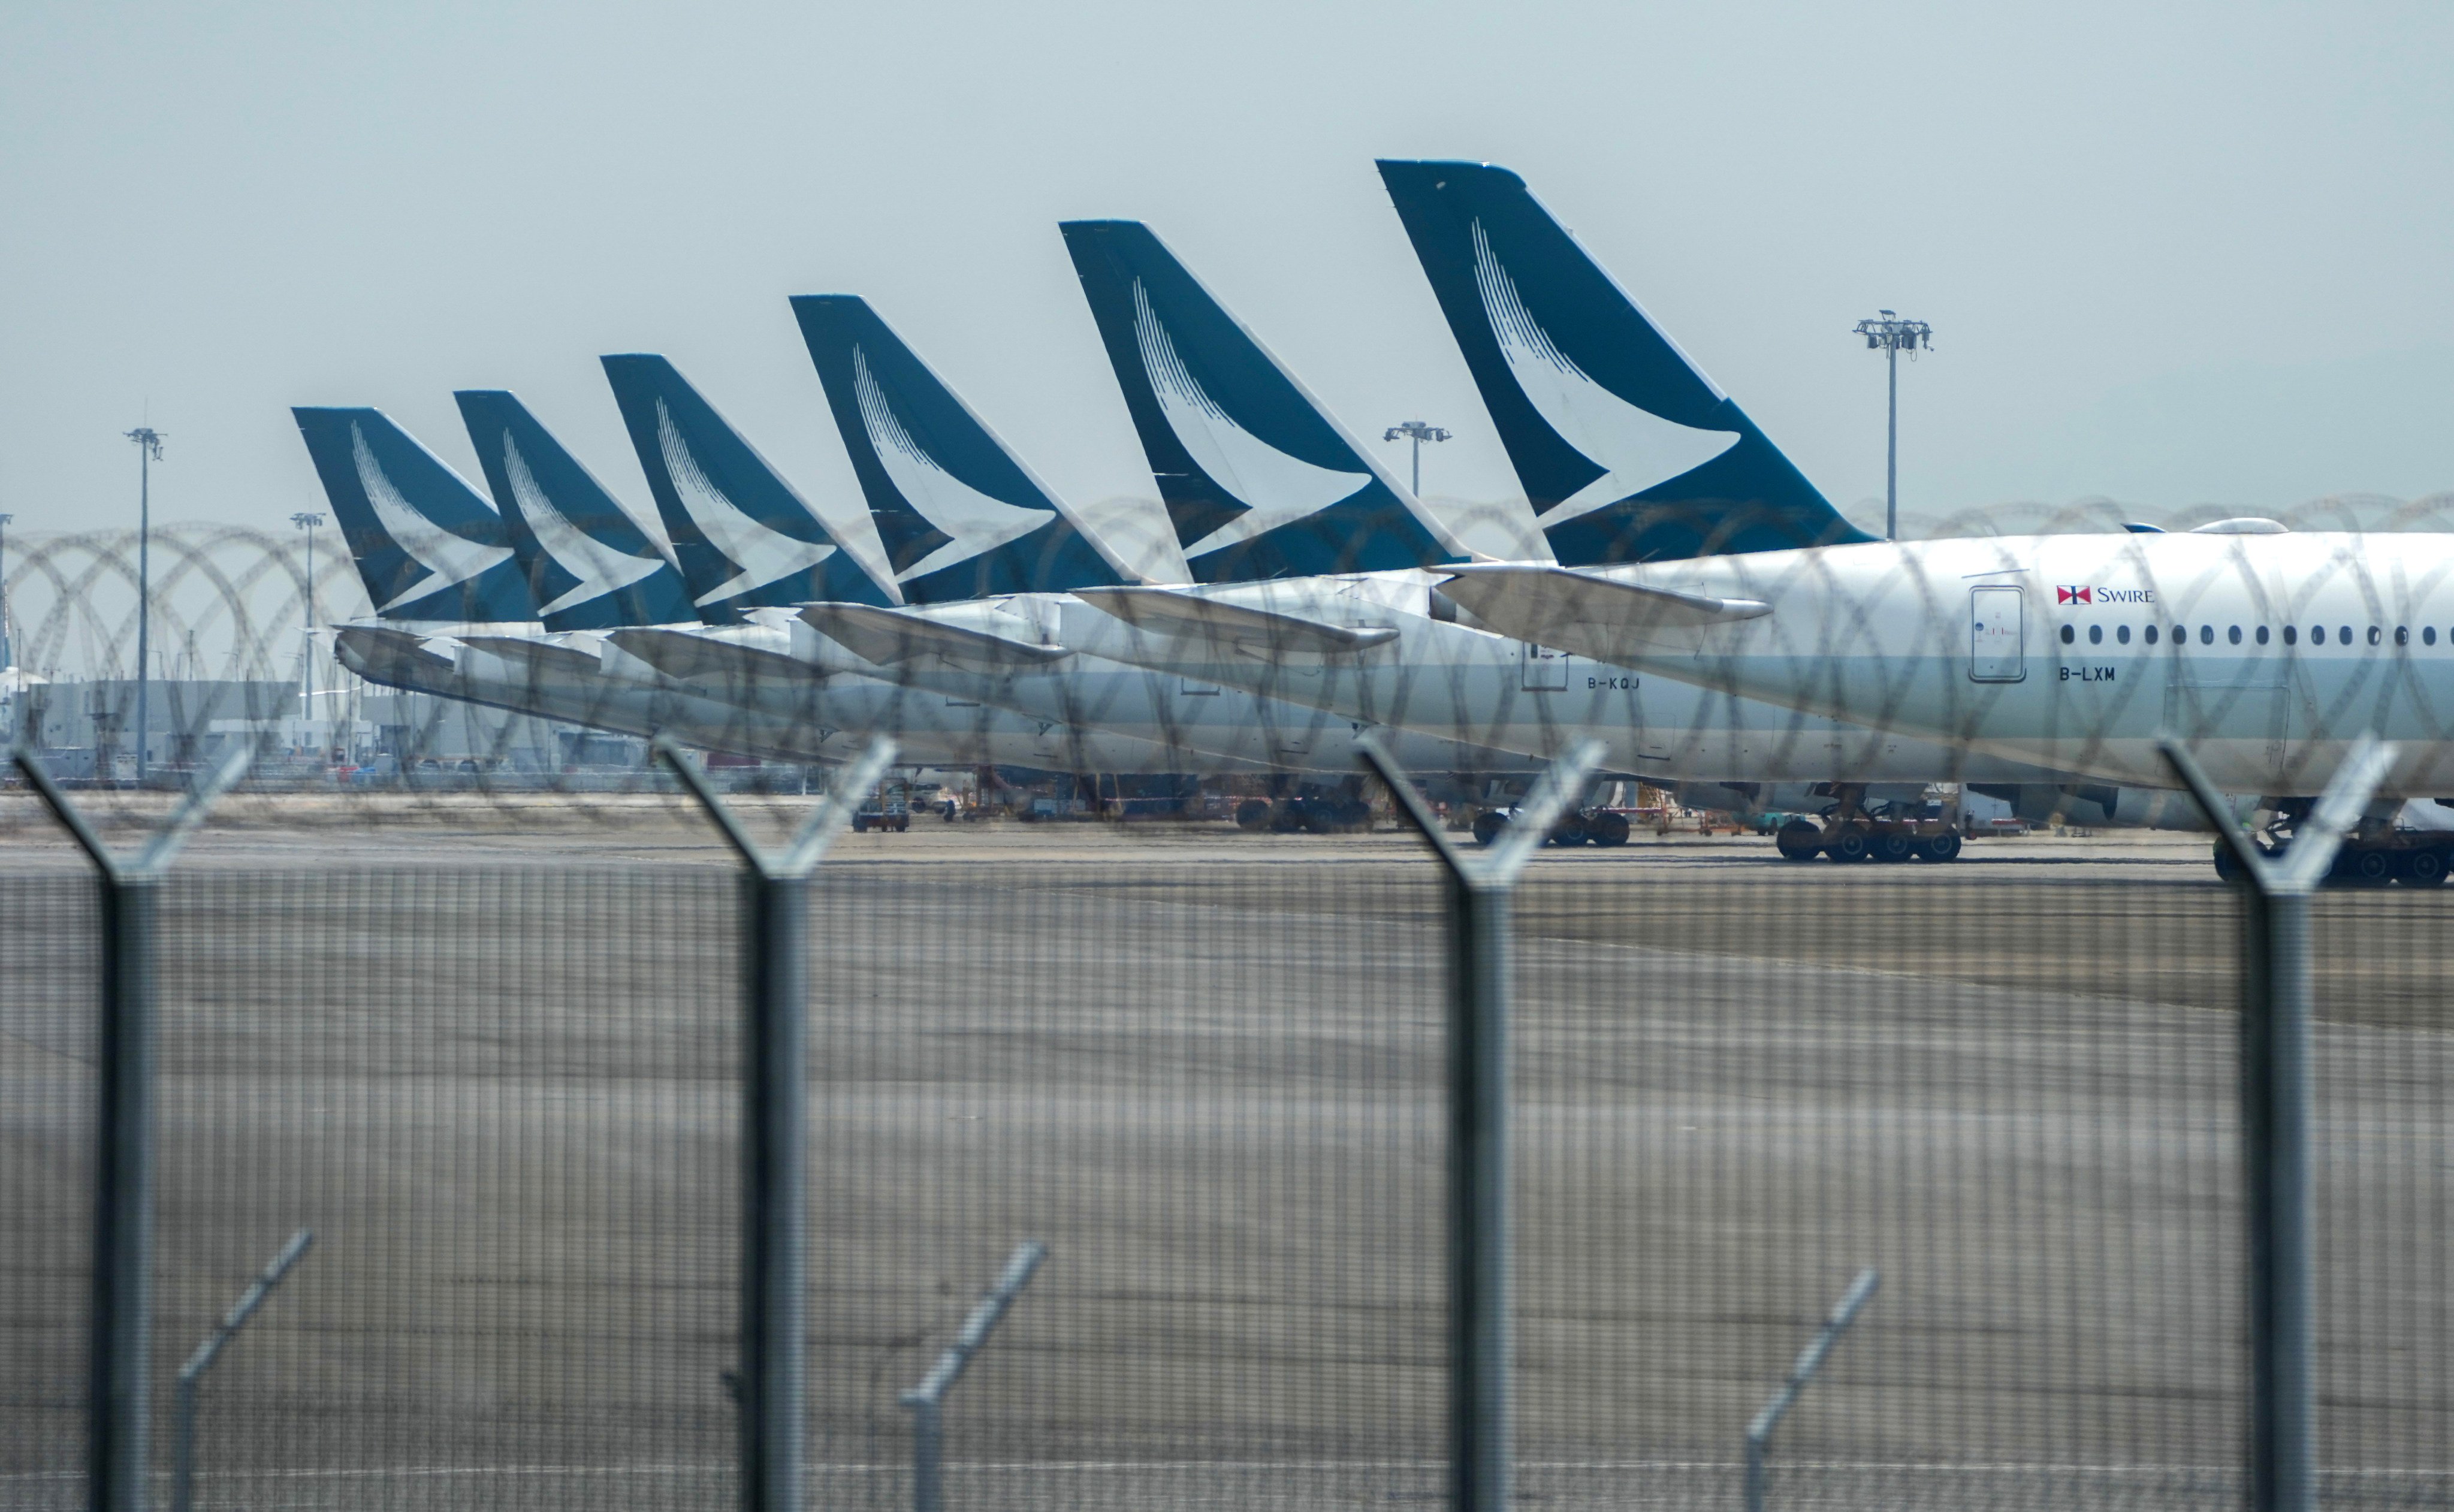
(506, 1100)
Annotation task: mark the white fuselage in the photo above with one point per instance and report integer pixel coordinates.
(1441, 679)
(2265, 653)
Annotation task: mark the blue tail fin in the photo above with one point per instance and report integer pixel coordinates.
(427, 547)
(961, 514)
(744, 540)
(588, 563)
(1627, 452)
(1258, 479)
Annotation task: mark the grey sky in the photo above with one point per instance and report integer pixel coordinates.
(2173, 254)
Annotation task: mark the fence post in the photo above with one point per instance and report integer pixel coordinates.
(1479, 892)
(1810, 1360)
(120, 1309)
(2275, 1015)
(775, 1143)
(191, 1375)
(928, 1399)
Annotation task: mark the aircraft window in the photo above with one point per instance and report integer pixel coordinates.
(2401, 635)
(2069, 635)
(2151, 635)
(2096, 634)
(2262, 635)
(2317, 634)
(2206, 634)
(2122, 635)
(2233, 635)
(2290, 635)
(2373, 634)
(2428, 634)
(2343, 634)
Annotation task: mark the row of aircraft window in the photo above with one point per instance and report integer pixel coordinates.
(2291, 635)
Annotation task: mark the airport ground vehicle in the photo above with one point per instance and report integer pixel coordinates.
(886, 808)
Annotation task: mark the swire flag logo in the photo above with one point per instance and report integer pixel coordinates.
(2074, 595)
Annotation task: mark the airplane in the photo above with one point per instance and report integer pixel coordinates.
(2266, 652)
(934, 475)
(1212, 407)
(456, 616)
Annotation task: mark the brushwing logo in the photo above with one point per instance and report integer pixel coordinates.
(1274, 489)
(449, 559)
(599, 568)
(2081, 595)
(1635, 448)
(761, 555)
(974, 521)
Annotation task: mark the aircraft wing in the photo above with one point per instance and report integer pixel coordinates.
(1189, 617)
(889, 635)
(1593, 617)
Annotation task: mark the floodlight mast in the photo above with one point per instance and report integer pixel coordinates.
(1891, 336)
(149, 450)
(7, 660)
(307, 520)
(1417, 431)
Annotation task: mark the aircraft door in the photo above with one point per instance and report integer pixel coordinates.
(1998, 614)
(1546, 670)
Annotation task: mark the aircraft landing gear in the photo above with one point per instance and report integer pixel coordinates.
(1891, 833)
(1800, 840)
(2377, 853)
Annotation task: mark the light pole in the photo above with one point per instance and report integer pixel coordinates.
(1890, 334)
(1417, 431)
(149, 450)
(6, 660)
(307, 520)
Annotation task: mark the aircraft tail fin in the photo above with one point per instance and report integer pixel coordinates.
(744, 538)
(586, 561)
(426, 544)
(961, 516)
(1626, 449)
(1258, 479)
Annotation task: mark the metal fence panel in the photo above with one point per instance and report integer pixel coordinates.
(505, 1097)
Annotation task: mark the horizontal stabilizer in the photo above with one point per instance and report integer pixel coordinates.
(890, 635)
(1592, 616)
(1166, 612)
(384, 646)
(542, 656)
(690, 653)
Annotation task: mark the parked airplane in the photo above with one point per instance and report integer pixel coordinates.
(2267, 652)
(935, 474)
(477, 635)
(1383, 648)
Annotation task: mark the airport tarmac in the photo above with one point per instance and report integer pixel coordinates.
(494, 1069)
(301, 830)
